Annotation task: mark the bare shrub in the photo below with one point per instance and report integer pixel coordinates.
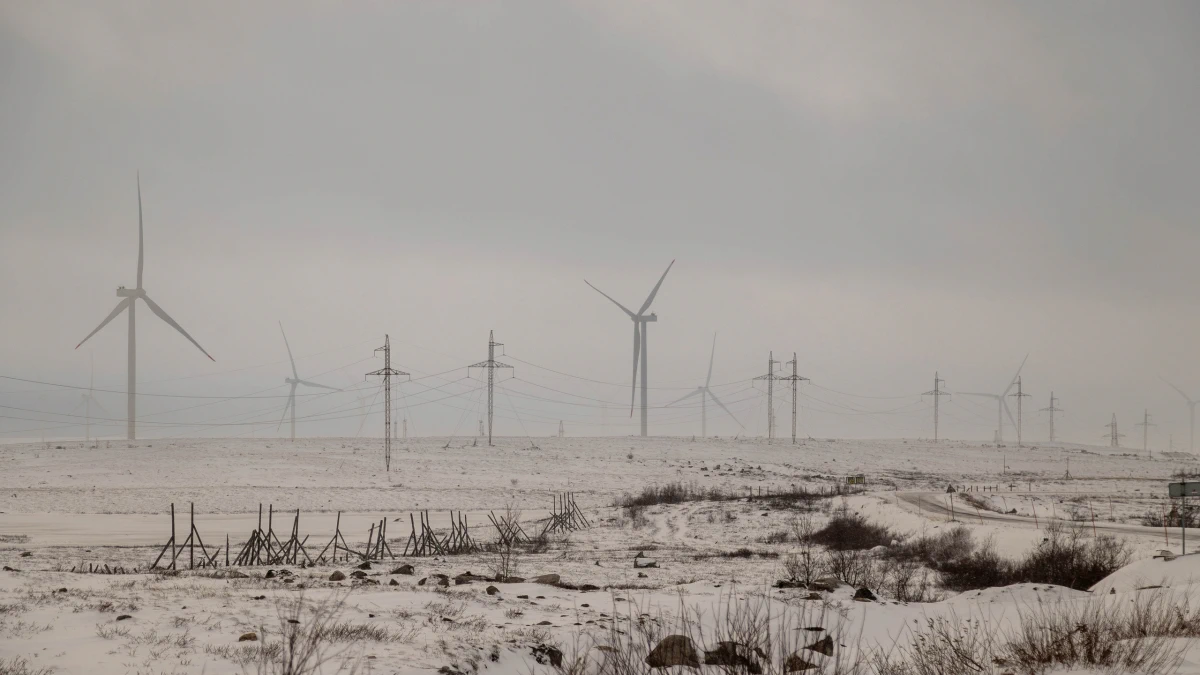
(848, 530)
(19, 665)
(935, 549)
(305, 632)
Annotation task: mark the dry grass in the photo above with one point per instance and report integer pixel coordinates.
(19, 665)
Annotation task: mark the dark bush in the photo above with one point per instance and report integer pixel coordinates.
(849, 531)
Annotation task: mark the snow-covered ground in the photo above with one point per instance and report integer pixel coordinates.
(71, 506)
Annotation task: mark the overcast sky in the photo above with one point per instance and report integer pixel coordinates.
(887, 189)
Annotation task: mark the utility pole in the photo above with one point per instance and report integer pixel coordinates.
(561, 433)
(1052, 410)
(387, 372)
(937, 393)
(404, 426)
(480, 433)
(795, 378)
(770, 377)
(491, 365)
(1114, 436)
(1145, 425)
(1019, 395)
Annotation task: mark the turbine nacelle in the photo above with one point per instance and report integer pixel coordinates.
(123, 292)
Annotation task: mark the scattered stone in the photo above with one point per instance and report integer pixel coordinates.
(522, 597)
(293, 620)
(643, 575)
(26, 554)
(269, 575)
(393, 582)
(585, 605)
(259, 597)
(674, 650)
(492, 590)
(358, 574)
(587, 588)
(641, 563)
(10, 569)
(510, 580)
(337, 576)
(545, 653)
(405, 570)
(864, 594)
(822, 646)
(544, 623)
(422, 581)
(123, 617)
(733, 655)
(289, 581)
(541, 597)
(365, 566)
(248, 637)
(546, 579)
(796, 663)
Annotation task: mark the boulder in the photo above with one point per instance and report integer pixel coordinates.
(358, 574)
(492, 590)
(864, 594)
(337, 576)
(796, 663)
(510, 580)
(544, 654)
(393, 582)
(587, 588)
(639, 563)
(365, 566)
(822, 646)
(404, 569)
(732, 655)
(123, 617)
(269, 575)
(674, 650)
(550, 579)
(248, 637)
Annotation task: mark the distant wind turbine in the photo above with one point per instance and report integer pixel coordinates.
(1002, 402)
(704, 393)
(295, 381)
(1191, 413)
(87, 400)
(130, 303)
(640, 319)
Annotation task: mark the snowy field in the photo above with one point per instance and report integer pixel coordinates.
(65, 506)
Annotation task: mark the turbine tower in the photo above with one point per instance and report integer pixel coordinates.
(87, 400)
(295, 381)
(705, 393)
(640, 319)
(129, 302)
(1191, 415)
(1002, 402)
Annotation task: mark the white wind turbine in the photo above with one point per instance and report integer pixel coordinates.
(129, 302)
(640, 319)
(295, 381)
(704, 393)
(1002, 402)
(1191, 413)
(87, 400)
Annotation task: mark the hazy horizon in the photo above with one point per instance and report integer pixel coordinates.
(887, 190)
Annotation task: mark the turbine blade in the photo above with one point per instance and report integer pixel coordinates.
(141, 257)
(976, 393)
(295, 375)
(120, 308)
(650, 298)
(1014, 379)
(314, 384)
(623, 307)
(163, 315)
(685, 397)
(711, 356)
(637, 350)
(1009, 413)
(718, 402)
(97, 404)
(1185, 396)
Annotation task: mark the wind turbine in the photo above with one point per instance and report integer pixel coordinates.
(704, 393)
(295, 381)
(129, 302)
(87, 400)
(1002, 402)
(1191, 412)
(640, 319)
